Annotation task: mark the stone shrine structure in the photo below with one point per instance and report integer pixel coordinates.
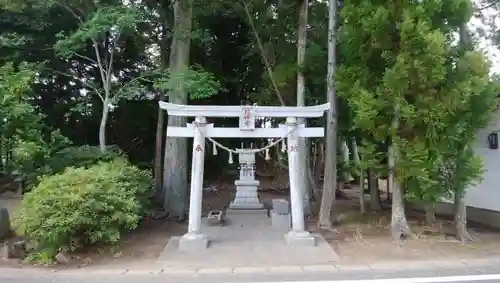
(292, 131)
(246, 187)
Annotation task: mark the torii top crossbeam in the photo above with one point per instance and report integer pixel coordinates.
(235, 111)
(247, 115)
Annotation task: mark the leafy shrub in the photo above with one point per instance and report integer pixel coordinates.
(84, 206)
(29, 157)
(35, 159)
(80, 156)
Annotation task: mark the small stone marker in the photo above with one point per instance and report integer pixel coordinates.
(62, 258)
(5, 251)
(4, 223)
(215, 217)
(280, 214)
(281, 206)
(19, 249)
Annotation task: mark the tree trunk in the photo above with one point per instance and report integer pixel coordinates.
(314, 163)
(301, 55)
(314, 186)
(430, 214)
(362, 207)
(330, 179)
(388, 190)
(399, 225)
(345, 160)
(359, 165)
(376, 202)
(102, 126)
(159, 150)
(168, 55)
(320, 163)
(460, 218)
(2, 165)
(175, 181)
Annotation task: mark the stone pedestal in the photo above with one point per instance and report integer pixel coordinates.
(246, 187)
(246, 195)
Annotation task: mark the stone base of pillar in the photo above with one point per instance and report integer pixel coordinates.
(300, 239)
(193, 242)
(246, 195)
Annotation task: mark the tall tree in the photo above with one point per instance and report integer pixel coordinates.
(175, 165)
(103, 28)
(330, 179)
(404, 87)
(166, 60)
(461, 166)
(301, 91)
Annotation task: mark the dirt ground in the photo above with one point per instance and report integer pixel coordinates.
(359, 239)
(363, 239)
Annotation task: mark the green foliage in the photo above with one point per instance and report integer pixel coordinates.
(198, 83)
(80, 156)
(460, 167)
(460, 171)
(401, 65)
(104, 30)
(104, 22)
(370, 158)
(19, 118)
(20, 123)
(84, 206)
(31, 158)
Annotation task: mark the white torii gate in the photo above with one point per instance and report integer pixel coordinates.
(199, 129)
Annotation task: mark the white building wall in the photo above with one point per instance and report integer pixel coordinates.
(486, 194)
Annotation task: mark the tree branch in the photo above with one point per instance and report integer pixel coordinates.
(120, 90)
(81, 81)
(102, 71)
(488, 5)
(85, 58)
(77, 17)
(109, 70)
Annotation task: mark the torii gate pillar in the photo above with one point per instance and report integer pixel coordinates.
(298, 235)
(194, 239)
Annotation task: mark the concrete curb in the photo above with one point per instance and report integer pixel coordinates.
(327, 268)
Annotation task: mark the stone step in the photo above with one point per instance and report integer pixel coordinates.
(236, 211)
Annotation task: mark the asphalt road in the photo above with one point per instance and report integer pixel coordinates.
(462, 275)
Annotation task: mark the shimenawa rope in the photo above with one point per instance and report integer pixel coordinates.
(256, 150)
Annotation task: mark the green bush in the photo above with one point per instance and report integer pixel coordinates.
(84, 206)
(35, 159)
(80, 156)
